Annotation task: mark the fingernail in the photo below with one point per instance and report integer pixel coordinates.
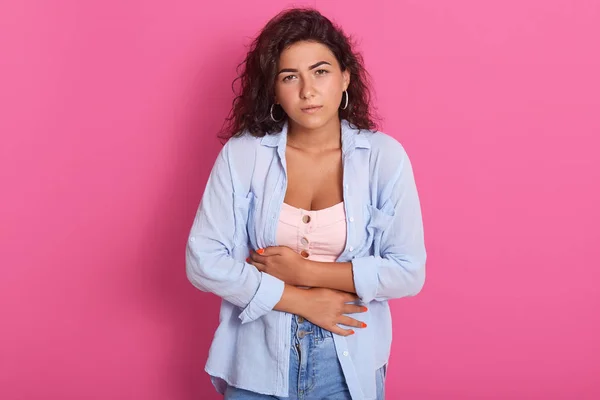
(365, 309)
(351, 332)
(260, 251)
(363, 325)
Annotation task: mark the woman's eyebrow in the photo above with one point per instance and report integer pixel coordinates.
(311, 67)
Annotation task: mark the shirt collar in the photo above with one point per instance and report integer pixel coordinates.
(351, 139)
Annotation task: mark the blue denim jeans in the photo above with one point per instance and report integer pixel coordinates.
(315, 372)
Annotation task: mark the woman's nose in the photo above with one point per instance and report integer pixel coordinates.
(306, 91)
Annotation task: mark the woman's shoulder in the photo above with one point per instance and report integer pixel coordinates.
(241, 154)
(242, 143)
(384, 145)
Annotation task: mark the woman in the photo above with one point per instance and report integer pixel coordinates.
(310, 222)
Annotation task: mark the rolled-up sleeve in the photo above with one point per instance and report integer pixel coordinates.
(214, 259)
(398, 270)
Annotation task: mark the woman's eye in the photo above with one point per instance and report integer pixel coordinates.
(318, 72)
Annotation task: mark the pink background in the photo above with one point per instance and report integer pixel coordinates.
(109, 115)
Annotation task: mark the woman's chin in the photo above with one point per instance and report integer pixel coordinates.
(311, 122)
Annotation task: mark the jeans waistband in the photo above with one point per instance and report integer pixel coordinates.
(302, 327)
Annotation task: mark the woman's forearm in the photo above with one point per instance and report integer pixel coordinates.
(332, 275)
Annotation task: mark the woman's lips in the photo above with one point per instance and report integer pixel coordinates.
(311, 110)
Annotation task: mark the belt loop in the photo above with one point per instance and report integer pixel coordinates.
(321, 333)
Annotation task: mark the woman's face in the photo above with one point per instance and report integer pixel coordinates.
(309, 76)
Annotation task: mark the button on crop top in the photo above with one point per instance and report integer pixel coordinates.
(318, 235)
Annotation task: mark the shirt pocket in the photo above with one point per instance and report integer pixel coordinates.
(378, 220)
(241, 212)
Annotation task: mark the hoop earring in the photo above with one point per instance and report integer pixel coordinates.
(346, 103)
(273, 118)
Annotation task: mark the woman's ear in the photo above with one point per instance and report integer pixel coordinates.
(346, 78)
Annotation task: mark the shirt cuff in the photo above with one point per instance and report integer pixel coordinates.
(266, 297)
(365, 274)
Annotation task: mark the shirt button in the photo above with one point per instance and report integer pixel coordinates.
(351, 248)
(351, 219)
(306, 219)
(304, 241)
(192, 239)
(346, 354)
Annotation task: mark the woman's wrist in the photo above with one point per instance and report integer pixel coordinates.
(308, 275)
(293, 300)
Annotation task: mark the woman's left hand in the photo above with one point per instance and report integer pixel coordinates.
(283, 263)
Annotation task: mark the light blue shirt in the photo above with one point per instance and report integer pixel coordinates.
(239, 211)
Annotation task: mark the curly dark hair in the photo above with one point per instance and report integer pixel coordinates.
(251, 107)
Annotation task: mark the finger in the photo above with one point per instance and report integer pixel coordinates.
(348, 297)
(254, 256)
(269, 251)
(353, 309)
(345, 320)
(340, 331)
(259, 266)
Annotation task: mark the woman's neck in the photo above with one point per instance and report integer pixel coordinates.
(326, 137)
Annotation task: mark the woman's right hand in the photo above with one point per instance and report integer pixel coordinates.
(328, 307)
